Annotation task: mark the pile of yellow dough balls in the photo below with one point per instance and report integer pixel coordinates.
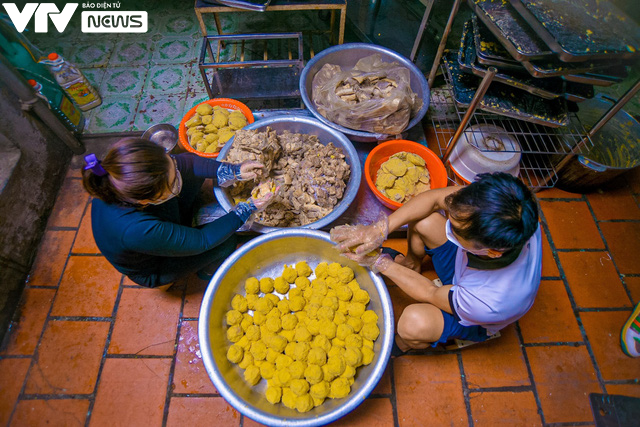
(307, 345)
(211, 127)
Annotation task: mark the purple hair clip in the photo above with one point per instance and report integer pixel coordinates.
(94, 164)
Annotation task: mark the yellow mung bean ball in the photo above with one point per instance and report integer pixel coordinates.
(235, 354)
(247, 321)
(303, 269)
(345, 275)
(251, 301)
(233, 317)
(340, 388)
(361, 296)
(354, 286)
(322, 342)
(288, 398)
(280, 285)
(267, 370)
(320, 390)
(290, 335)
(263, 305)
(273, 298)
(339, 318)
(299, 387)
(349, 372)
(332, 282)
(302, 334)
(334, 269)
(247, 360)
(355, 322)
(327, 375)
(326, 313)
(289, 274)
(356, 309)
(317, 356)
(369, 316)
(353, 340)
(273, 324)
(315, 299)
(302, 283)
(289, 321)
(272, 355)
(367, 355)
(295, 292)
(289, 350)
(313, 374)
(253, 333)
(283, 361)
(297, 369)
(259, 318)
(258, 350)
(252, 374)
(331, 302)
(328, 328)
(283, 306)
(353, 356)
(313, 326)
(367, 343)
(301, 351)
(336, 364)
(284, 376)
(273, 394)
(344, 330)
(320, 288)
(322, 270)
(335, 351)
(266, 285)
(337, 342)
(312, 310)
(304, 403)
(370, 331)
(296, 303)
(239, 303)
(234, 333)
(252, 285)
(278, 343)
(344, 293)
(244, 343)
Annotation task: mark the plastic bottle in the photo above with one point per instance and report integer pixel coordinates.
(62, 107)
(71, 79)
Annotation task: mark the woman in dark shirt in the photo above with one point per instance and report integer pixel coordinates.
(143, 207)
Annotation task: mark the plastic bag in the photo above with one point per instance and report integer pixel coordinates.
(374, 96)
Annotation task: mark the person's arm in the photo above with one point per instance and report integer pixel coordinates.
(201, 167)
(163, 238)
(419, 287)
(420, 207)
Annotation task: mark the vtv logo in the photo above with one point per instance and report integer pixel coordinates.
(43, 11)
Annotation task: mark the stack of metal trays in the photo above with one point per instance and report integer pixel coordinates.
(549, 54)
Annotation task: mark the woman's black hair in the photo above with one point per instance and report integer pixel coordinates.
(137, 169)
(496, 211)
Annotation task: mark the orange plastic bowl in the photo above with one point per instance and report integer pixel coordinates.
(229, 104)
(381, 154)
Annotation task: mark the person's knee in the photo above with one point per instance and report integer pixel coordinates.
(415, 324)
(431, 230)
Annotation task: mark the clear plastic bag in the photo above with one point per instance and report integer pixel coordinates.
(374, 96)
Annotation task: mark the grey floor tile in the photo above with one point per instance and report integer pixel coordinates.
(130, 52)
(92, 54)
(124, 81)
(168, 79)
(116, 114)
(159, 109)
(174, 50)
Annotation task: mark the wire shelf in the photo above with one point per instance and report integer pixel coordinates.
(541, 146)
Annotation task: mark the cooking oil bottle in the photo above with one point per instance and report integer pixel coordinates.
(71, 79)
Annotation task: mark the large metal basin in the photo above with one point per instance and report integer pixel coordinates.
(346, 56)
(325, 134)
(264, 256)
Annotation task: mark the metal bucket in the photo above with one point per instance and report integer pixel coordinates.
(616, 149)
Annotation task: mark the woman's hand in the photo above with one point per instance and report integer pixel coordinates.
(262, 202)
(249, 170)
(361, 239)
(376, 261)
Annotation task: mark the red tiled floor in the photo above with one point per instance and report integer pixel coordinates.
(88, 287)
(632, 390)
(504, 408)
(52, 256)
(33, 310)
(551, 318)
(564, 377)
(193, 297)
(190, 375)
(69, 205)
(429, 386)
(400, 301)
(633, 284)
(549, 266)
(201, 411)
(603, 333)
(556, 193)
(623, 239)
(132, 392)
(85, 244)
(593, 279)
(371, 413)
(63, 413)
(571, 225)
(12, 374)
(614, 204)
(384, 385)
(68, 359)
(497, 363)
(633, 179)
(146, 323)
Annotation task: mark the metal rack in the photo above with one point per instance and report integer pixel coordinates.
(542, 146)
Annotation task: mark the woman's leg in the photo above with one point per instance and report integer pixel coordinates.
(419, 326)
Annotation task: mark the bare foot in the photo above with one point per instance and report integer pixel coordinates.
(409, 262)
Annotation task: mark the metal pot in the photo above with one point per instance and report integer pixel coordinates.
(616, 149)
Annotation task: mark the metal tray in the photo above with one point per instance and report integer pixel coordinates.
(511, 29)
(556, 68)
(505, 101)
(580, 30)
(489, 49)
(578, 92)
(544, 88)
(605, 78)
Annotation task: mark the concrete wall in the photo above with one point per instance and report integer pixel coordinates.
(27, 198)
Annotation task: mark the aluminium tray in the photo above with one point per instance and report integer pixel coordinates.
(606, 77)
(580, 30)
(511, 29)
(489, 49)
(544, 88)
(556, 68)
(503, 100)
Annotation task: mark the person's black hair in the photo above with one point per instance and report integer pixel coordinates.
(497, 211)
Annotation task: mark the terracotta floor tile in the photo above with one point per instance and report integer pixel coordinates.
(504, 408)
(32, 313)
(429, 385)
(556, 193)
(632, 390)
(69, 205)
(496, 363)
(384, 385)
(371, 413)
(52, 412)
(132, 392)
(12, 374)
(623, 239)
(190, 375)
(399, 245)
(633, 179)
(193, 297)
(85, 243)
(615, 203)
(74, 173)
(603, 333)
(52, 256)
(571, 225)
(68, 358)
(633, 284)
(193, 411)
(593, 279)
(400, 301)
(146, 322)
(89, 287)
(549, 266)
(551, 319)
(564, 377)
